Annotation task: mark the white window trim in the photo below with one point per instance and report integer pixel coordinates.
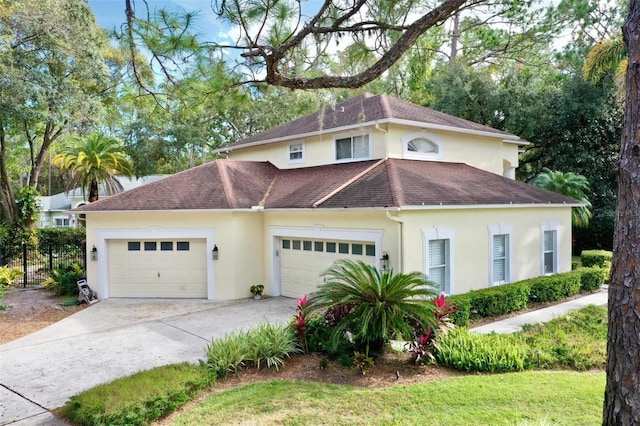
(409, 155)
(352, 135)
(440, 233)
(550, 226)
(501, 229)
(296, 160)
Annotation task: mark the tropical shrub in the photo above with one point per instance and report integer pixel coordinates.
(426, 339)
(64, 280)
(300, 322)
(373, 306)
(7, 276)
(266, 344)
(61, 236)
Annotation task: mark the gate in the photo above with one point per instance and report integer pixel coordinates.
(37, 263)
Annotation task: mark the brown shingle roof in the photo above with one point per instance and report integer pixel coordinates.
(226, 184)
(366, 108)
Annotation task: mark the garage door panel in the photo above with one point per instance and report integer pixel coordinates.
(161, 273)
(301, 270)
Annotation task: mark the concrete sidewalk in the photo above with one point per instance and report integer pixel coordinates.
(112, 339)
(513, 324)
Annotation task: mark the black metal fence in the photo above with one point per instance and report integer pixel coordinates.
(37, 263)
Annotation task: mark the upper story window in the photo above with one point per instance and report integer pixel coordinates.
(421, 146)
(354, 147)
(296, 152)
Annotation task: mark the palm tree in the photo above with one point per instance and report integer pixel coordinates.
(376, 306)
(572, 185)
(608, 54)
(94, 160)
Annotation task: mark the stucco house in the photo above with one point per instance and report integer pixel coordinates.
(374, 178)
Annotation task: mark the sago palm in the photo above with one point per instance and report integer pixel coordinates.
(572, 185)
(94, 160)
(380, 305)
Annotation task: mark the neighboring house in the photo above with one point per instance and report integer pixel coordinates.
(54, 209)
(374, 178)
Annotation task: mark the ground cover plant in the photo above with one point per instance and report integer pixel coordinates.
(566, 398)
(576, 341)
(138, 399)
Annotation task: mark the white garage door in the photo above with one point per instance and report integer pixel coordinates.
(158, 268)
(302, 261)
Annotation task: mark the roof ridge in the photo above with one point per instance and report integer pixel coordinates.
(394, 181)
(347, 183)
(386, 107)
(226, 183)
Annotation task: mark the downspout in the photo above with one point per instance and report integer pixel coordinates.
(400, 222)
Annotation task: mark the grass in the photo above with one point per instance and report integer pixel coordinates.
(576, 341)
(558, 398)
(137, 399)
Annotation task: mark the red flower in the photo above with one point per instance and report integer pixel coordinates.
(440, 301)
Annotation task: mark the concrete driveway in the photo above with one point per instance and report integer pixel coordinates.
(112, 339)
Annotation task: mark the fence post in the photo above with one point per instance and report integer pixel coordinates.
(50, 258)
(24, 264)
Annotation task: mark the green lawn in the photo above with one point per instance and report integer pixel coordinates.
(530, 398)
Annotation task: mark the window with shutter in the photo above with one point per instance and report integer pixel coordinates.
(439, 264)
(549, 252)
(500, 273)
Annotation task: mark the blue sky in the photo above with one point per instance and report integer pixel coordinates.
(110, 13)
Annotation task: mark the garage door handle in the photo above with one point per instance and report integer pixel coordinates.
(158, 274)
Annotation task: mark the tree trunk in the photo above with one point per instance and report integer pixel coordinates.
(93, 191)
(622, 392)
(8, 207)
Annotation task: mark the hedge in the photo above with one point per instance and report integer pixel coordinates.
(593, 278)
(504, 299)
(596, 258)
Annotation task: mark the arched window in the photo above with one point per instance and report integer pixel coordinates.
(421, 146)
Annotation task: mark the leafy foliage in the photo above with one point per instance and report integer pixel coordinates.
(572, 185)
(375, 306)
(93, 161)
(64, 280)
(266, 344)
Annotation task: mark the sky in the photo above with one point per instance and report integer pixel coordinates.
(110, 13)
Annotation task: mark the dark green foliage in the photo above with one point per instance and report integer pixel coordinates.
(592, 278)
(64, 280)
(462, 302)
(138, 399)
(554, 287)
(601, 258)
(378, 304)
(320, 339)
(499, 300)
(61, 236)
(26, 201)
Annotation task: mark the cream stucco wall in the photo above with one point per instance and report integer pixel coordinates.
(472, 241)
(388, 141)
(248, 240)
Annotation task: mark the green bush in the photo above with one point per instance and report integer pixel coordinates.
(64, 280)
(592, 278)
(138, 399)
(498, 300)
(596, 258)
(265, 344)
(554, 287)
(492, 353)
(61, 236)
(462, 302)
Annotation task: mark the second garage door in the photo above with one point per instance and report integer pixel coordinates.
(302, 261)
(158, 268)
